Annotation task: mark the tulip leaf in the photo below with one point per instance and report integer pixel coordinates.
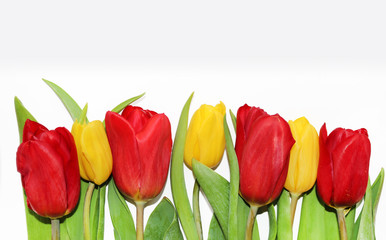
(215, 232)
(364, 225)
(97, 212)
(376, 189)
(177, 179)
(234, 120)
(272, 222)
(120, 214)
(163, 223)
(216, 189)
(37, 227)
(234, 183)
(313, 219)
(124, 104)
(284, 228)
(71, 106)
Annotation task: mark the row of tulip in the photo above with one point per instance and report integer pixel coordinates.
(272, 163)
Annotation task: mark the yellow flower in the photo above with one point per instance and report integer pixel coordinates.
(205, 139)
(304, 157)
(94, 153)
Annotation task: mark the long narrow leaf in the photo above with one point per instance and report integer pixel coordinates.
(71, 106)
(234, 183)
(272, 223)
(120, 214)
(284, 228)
(177, 178)
(215, 232)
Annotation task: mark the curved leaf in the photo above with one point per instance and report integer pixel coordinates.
(215, 232)
(120, 214)
(177, 178)
(163, 222)
(272, 222)
(234, 184)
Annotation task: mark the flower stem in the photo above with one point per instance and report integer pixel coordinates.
(86, 211)
(196, 209)
(250, 222)
(55, 229)
(342, 223)
(294, 201)
(140, 209)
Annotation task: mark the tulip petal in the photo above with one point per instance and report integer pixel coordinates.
(96, 148)
(32, 129)
(351, 163)
(124, 148)
(263, 172)
(154, 146)
(40, 165)
(324, 176)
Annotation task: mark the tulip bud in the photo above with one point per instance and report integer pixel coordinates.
(263, 144)
(48, 164)
(304, 157)
(343, 166)
(141, 144)
(205, 139)
(94, 154)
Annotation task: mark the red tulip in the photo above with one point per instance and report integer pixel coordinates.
(343, 166)
(263, 144)
(141, 144)
(48, 164)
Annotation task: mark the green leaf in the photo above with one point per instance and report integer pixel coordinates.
(177, 178)
(97, 217)
(37, 226)
(376, 189)
(272, 222)
(234, 120)
(215, 232)
(120, 214)
(216, 189)
(163, 222)
(284, 228)
(366, 224)
(316, 221)
(234, 183)
(71, 106)
(124, 104)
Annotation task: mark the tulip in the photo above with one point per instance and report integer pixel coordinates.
(205, 139)
(263, 144)
(95, 160)
(343, 169)
(304, 158)
(48, 164)
(141, 144)
(94, 154)
(205, 142)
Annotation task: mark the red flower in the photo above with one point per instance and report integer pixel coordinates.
(343, 166)
(263, 144)
(48, 164)
(141, 144)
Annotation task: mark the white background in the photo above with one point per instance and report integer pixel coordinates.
(323, 60)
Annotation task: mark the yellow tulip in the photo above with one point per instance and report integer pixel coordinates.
(94, 153)
(205, 139)
(304, 157)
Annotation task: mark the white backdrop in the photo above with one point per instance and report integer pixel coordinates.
(325, 61)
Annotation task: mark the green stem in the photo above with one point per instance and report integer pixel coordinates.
(250, 222)
(196, 209)
(86, 211)
(55, 229)
(294, 201)
(342, 223)
(140, 209)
